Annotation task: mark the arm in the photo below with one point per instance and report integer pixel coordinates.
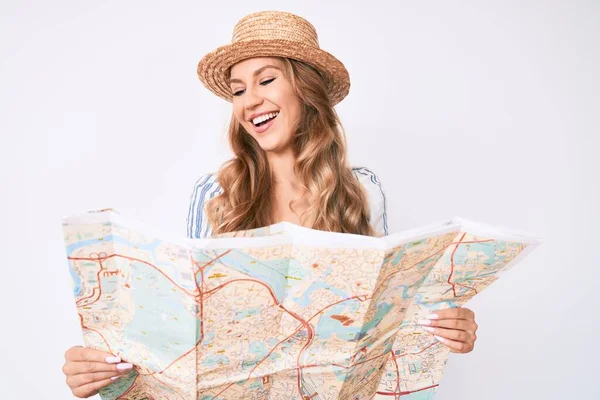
(454, 327)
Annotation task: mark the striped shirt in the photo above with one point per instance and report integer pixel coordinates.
(207, 188)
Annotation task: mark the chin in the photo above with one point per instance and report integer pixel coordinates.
(271, 142)
(267, 142)
(268, 147)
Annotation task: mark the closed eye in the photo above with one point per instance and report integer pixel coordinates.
(266, 82)
(263, 83)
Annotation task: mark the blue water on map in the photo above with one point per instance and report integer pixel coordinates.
(271, 272)
(170, 331)
(77, 287)
(305, 300)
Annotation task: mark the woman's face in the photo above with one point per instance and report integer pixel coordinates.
(265, 102)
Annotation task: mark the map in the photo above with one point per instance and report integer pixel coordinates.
(281, 312)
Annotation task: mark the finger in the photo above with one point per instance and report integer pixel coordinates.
(452, 313)
(459, 324)
(79, 353)
(91, 388)
(454, 346)
(75, 381)
(452, 334)
(86, 367)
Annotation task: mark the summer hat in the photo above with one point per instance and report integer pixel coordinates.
(273, 34)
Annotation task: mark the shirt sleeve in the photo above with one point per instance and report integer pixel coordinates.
(205, 189)
(375, 198)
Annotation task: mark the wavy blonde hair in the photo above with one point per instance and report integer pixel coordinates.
(337, 201)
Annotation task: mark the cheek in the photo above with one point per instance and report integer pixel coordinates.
(238, 113)
(292, 105)
(295, 111)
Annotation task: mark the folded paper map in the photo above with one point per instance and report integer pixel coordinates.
(281, 312)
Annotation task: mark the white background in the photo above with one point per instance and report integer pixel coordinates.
(486, 110)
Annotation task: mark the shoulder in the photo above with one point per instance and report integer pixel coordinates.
(366, 176)
(209, 180)
(205, 188)
(369, 180)
(375, 197)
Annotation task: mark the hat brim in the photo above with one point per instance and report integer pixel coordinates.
(214, 67)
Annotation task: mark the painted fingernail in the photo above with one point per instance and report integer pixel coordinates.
(124, 366)
(441, 339)
(424, 322)
(433, 316)
(113, 360)
(429, 329)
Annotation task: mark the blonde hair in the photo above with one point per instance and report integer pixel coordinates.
(337, 201)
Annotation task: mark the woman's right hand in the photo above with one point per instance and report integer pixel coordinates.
(90, 370)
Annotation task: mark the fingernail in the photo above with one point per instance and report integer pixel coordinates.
(433, 316)
(424, 322)
(429, 329)
(114, 378)
(441, 339)
(113, 360)
(123, 366)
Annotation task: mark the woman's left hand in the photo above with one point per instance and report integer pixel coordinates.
(453, 327)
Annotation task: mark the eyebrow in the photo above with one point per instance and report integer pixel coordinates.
(256, 73)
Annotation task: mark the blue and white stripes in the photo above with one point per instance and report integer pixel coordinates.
(207, 188)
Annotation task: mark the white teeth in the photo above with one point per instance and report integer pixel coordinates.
(264, 117)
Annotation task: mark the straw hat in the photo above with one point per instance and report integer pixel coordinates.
(273, 34)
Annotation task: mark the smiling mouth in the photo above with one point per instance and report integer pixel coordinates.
(264, 119)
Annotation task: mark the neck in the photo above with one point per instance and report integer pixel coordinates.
(282, 167)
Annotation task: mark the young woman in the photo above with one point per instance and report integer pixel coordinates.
(289, 162)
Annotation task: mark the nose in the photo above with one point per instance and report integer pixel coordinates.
(252, 100)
